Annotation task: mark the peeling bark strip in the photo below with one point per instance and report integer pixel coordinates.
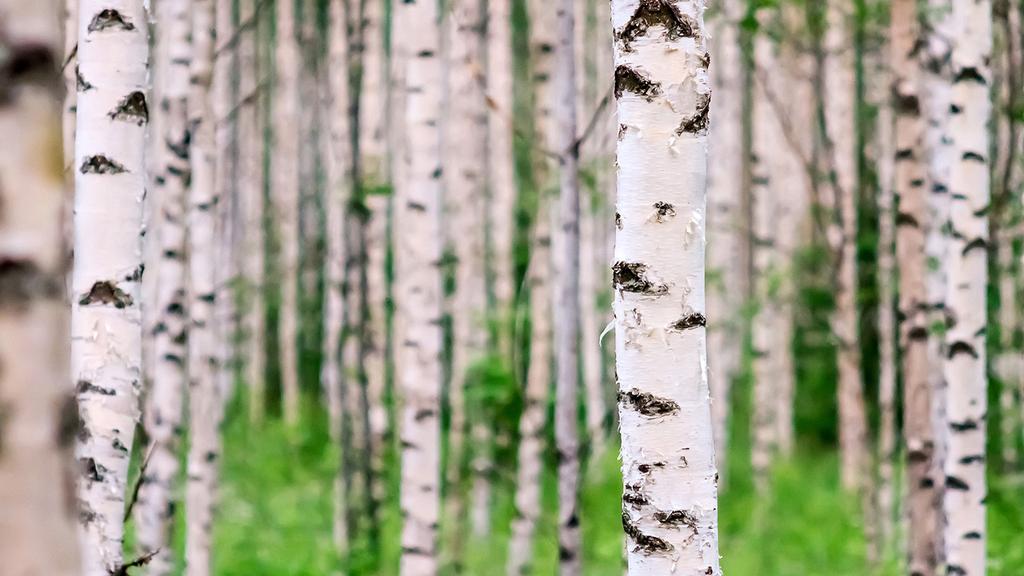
(669, 506)
(106, 324)
(37, 513)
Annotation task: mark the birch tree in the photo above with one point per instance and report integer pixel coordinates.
(911, 218)
(418, 255)
(967, 256)
(669, 507)
(38, 418)
(725, 218)
(839, 106)
(165, 397)
(529, 463)
(284, 167)
(567, 284)
(106, 333)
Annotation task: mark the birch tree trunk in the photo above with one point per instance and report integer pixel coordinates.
(967, 256)
(567, 284)
(106, 332)
(204, 355)
(725, 219)
(936, 81)
(669, 508)
(251, 184)
(465, 181)
(501, 167)
(538, 384)
(154, 510)
(69, 71)
(284, 167)
(38, 417)
(418, 255)
(373, 90)
(378, 208)
(338, 186)
(839, 94)
(911, 219)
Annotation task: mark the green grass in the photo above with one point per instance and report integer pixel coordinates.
(275, 517)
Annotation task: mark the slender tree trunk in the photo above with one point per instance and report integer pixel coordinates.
(886, 316)
(37, 412)
(501, 168)
(204, 354)
(567, 284)
(967, 256)
(251, 184)
(936, 82)
(590, 326)
(670, 504)
(766, 142)
(373, 90)
(338, 187)
(725, 219)
(378, 208)
(284, 167)
(418, 273)
(911, 218)
(69, 71)
(154, 518)
(839, 106)
(538, 385)
(106, 334)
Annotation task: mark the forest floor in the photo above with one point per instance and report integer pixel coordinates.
(275, 517)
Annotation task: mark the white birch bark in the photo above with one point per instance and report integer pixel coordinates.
(669, 508)
(154, 510)
(839, 94)
(338, 186)
(1007, 364)
(501, 167)
(378, 208)
(204, 403)
(725, 218)
(373, 117)
(419, 294)
(106, 331)
(251, 185)
(38, 418)
(567, 285)
(284, 166)
(911, 222)
(69, 70)
(967, 256)
(465, 187)
(529, 457)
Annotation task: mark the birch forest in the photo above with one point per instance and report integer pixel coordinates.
(511, 288)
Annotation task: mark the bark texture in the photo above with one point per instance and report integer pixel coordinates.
(911, 220)
(204, 403)
(419, 290)
(154, 510)
(669, 507)
(38, 417)
(964, 366)
(106, 331)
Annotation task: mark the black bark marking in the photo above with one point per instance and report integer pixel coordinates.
(646, 468)
(632, 277)
(972, 535)
(698, 123)
(652, 13)
(110, 18)
(634, 497)
(906, 104)
(131, 108)
(629, 80)
(22, 281)
(119, 446)
(917, 334)
(954, 483)
(965, 426)
(92, 469)
(688, 322)
(648, 404)
(961, 347)
(424, 413)
(24, 64)
(644, 543)
(100, 164)
(955, 570)
(105, 292)
(618, 221)
(970, 74)
(677, 518)
(975, 459)
(974, 157)
(905, 219)
(664, 210)
(86, 387)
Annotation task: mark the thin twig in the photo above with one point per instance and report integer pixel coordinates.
(122, 570)
(138, 483)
